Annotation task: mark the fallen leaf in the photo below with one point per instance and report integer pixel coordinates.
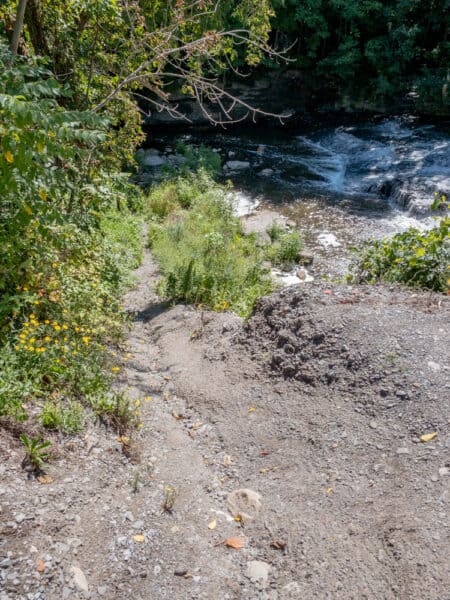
(167, 377)
(251, 409)
(226, 460)
(45, 479)
(212, 524)
(427, 437)
(177, 416)
(235, 542)
(328, 491)
(264, 453)
(197, 425)
(40, 566)
(139, 538)
(278, 544)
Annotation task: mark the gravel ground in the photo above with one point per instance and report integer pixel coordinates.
(314, 408)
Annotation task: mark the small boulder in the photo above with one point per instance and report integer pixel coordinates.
(237, 165)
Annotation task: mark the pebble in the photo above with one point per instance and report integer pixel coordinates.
(373, 424)
(101, 590)
(434, 477)
(444, 471)
(258, 571)
(20, 518)
(79, 579)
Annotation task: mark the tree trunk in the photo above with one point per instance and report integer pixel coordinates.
(18, 26)
(33, 20)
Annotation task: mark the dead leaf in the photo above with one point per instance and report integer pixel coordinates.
(45, 479)
(278, 544)
(139, 538)
(40, 566)
(427, 437)
(235, 542)
(328, 491)
(251, 409)
(197, 425)
(212, 524)
(177, 416)
(226, 460)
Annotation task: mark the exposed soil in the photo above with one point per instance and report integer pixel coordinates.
(317, 404)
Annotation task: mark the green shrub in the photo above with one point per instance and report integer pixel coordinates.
(203, 254)
(414, 258)
(285, 249)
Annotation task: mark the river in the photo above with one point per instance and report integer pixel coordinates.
(340, 184)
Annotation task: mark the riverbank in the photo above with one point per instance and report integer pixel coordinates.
(350, 501)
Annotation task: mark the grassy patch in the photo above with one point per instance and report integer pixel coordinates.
(204, 256)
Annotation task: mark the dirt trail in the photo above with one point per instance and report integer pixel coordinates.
(352, 504)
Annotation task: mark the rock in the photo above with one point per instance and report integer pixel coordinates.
(258, 571)
(138, 525)
(66, 592)
(244, 503)
(237, 165)
(435, 367)
(20, 518)
(149, 158)
(443, 471)
(304, 258)
(231, 154)
(328, 240)
(434, 478)
(265, 172)
(79, 579)
(101, 590)
(373, 424)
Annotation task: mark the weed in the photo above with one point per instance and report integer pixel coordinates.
(35, 452)
(170, 494)
(69, 420)
(275, 231)
(414, 258)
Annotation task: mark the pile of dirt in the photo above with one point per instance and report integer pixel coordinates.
(390, 343)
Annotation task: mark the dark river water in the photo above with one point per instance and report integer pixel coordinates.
(340, 184)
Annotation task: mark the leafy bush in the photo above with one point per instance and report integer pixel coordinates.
(285, 248)
(203, 254)
(414, 258)
(69, 241)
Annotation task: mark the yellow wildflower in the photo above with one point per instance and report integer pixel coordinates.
(137, 402)
(47, 338)
(115, 369)
(9, 157)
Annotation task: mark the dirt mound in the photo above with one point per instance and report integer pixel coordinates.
(345, 338)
